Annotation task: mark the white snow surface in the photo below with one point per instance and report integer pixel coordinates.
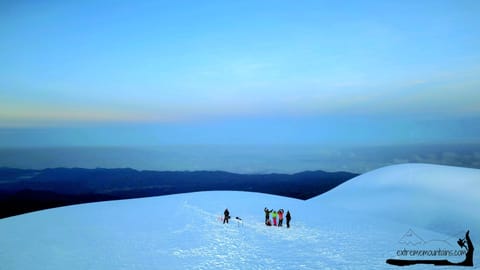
(350, 227)
(437, 197)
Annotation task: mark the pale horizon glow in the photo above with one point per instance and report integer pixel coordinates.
(198, 65)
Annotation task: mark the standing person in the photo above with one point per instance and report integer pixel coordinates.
(267, 215)
(289, 217)
(274, 217)
(280, 217)
(226, 214)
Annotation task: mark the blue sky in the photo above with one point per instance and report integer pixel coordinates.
(156, 72)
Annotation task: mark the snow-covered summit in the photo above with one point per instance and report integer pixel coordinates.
(350, 227)
(437, 197)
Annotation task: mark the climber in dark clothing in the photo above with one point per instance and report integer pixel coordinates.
(227, 216)
(267, 215)
(289, 217)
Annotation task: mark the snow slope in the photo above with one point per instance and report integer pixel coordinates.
(344, 229)
(440, 198)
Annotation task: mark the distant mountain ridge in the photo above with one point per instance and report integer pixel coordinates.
(23, 190)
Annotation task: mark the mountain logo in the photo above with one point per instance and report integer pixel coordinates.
(411, 238)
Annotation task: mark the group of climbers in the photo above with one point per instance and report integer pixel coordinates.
(276, 214)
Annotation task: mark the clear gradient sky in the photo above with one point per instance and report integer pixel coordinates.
(156, 72)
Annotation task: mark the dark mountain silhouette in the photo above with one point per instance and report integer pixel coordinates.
(23, 191)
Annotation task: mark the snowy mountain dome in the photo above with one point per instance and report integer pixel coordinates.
(357, 225)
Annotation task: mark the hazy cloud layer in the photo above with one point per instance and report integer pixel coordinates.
(242, 158)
